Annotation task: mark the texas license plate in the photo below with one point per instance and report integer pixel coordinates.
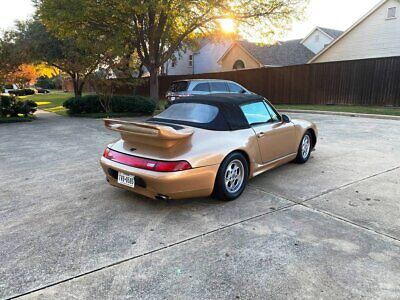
(128, 180)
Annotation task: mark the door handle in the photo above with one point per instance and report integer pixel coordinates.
(261, 134)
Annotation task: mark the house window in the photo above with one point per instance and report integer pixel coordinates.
(392, 13)
(190, 60)
(239, 64)
(317, 37)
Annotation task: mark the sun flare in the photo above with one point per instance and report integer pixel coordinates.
(227, 25)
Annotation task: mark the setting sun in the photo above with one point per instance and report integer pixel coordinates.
(227, 25)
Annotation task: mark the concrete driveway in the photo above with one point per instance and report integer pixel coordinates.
(327, 229)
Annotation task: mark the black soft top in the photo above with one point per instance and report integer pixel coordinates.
(230, 116)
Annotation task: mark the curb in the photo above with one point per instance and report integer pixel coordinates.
(346, 114)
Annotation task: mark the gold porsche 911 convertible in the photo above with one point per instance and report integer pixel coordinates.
(204, 145)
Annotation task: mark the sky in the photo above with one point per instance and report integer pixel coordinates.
(336, 14)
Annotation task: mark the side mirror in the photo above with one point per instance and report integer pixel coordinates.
(285, 119)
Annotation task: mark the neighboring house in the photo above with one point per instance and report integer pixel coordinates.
(247, 55)
(377, 34)
(319, 38)
(216, 56)
(203, 60)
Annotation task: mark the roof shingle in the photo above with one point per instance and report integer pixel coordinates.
(331, 32)
(281, 54)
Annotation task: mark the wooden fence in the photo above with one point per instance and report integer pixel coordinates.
(358, 82)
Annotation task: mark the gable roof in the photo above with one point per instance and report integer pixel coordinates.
(328, 32)
(333, 33)
(348, 30)
(281, 54)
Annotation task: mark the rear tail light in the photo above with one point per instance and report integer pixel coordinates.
(147, 164)
(106, 152)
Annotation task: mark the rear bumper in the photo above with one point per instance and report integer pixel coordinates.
(198, 182)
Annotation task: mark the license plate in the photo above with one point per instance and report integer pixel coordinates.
(128, 180)
(173, 98)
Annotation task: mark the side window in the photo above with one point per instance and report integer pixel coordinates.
(274, 115)
(234, 88)
(256, 113)
(202, 87)
(219, 87)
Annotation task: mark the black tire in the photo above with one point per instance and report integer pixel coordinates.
(302, 157)
(221, 190)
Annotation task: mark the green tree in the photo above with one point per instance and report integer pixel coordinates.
(155, 29)
(9, 59)
(35, 44)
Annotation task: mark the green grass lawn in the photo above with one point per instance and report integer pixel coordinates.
(379, 110)
(51, 102)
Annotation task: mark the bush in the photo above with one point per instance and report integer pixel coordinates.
(45, 82)
(120, 104)
(22, 92)
(6, 102)
(85, 104)
(11, 106)
(17, 92)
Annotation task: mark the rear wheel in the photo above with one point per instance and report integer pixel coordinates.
(232, 177)
(305, 147)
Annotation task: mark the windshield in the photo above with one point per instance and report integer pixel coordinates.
(190, 112)
(179, 86)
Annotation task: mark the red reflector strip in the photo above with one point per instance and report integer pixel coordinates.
(147, 164)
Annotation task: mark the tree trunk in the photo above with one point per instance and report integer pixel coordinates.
(80, 88)
(78, 85)
(154, 84)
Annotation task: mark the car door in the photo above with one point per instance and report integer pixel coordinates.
(276, 139)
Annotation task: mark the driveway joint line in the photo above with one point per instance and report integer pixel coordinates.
(349, 184)
(152, 251)
(350, 222)
(334, 216)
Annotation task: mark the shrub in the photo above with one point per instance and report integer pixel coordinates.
(6, 102)
(22, 92)
(26, 107)
(45, 82)
(82, 105)
(119, 104)
(17, 92)
(11, 106)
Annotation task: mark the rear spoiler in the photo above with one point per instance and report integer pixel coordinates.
(162, 136)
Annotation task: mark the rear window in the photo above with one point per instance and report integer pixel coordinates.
(179, 86)
(234, 88)
(190, 112)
